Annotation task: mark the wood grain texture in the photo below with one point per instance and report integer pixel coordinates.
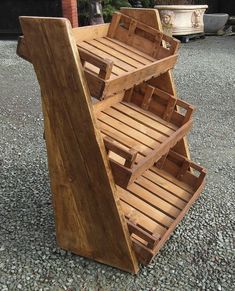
(157, 201)
(165, 81)
(89, 221)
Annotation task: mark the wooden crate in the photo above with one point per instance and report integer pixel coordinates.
(140, 127)
(120, 55)
(157, 200)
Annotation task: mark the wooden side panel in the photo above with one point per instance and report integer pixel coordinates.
(89, 220)
(165, 81)
(90, 32)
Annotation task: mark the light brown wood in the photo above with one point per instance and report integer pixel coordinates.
(78, 180)
(165, 81)
(145, 131)
(90, 32)
(132, 50)
(125, 139)
(159, 196)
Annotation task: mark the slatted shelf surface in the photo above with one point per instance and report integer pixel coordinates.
(134, 128)
(155, 203)
(125, 58)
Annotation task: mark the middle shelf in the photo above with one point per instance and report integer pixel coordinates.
(139, 128)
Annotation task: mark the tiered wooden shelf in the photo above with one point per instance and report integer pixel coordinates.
(120, 184)
(144, 123)
(123, 54)
(157, 200)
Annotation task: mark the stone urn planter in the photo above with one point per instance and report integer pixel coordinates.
(182, 19)
(215, 22)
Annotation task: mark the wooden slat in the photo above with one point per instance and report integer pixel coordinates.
(139, 75)
(142, 117)
(179, 218)
(135, 124)
(147, 239)
(123, 139)
(145, 208)
(161, 150)
(105, 66)
(169, 177)
(128, 155)
(142, 220)
(117, 47)
(90, 32)
(131, 132)
(122, 65)
(116, 54)
(105, 104)
(132, 49)
(168, 185)
(153, 200)
(152, 116)
(160, 192)
(93, 69)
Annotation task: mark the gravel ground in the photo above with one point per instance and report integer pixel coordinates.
(200, 253)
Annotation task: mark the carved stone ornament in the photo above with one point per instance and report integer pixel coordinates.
(182, 19)
(167, 19)
(96, 15)
(196, 18)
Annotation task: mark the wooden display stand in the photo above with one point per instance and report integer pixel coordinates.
(120, 175)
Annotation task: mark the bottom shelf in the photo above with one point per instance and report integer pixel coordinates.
(156, 202)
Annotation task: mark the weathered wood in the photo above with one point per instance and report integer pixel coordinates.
(90, 32)
(153, 190)
(104, 65)
(165, 81)
(78, 179)
(136, 130)
(132, 46)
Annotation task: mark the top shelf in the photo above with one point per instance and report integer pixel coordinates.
(125, 53)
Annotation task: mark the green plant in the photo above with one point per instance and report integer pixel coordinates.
(110, 6)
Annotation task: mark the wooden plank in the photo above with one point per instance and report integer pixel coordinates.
(135, 124)
(145, 208)
(166, 127)
(169, 177)
(127, 130)
(119, 48)
(128, 155)
(141, 220)
(162, 149)
(78, 180)
(167, 185)
(102, 54)
(179, 218)
(149, 197)
(147, 97)
(113, 25)
(165, 81)
(123, 138)
(138, 114)
(116, 54)
(90, 32)
(96, 84)
(130, 48)
(105, 66)
(139, 35)
(160, 192)
(104, 104)
(136, 231)
(143, 253)
(139, 75)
